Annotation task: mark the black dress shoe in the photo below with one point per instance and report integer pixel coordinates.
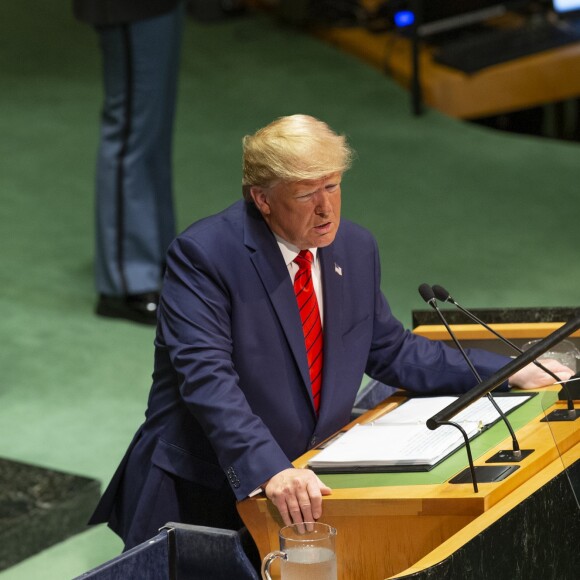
(140, 308)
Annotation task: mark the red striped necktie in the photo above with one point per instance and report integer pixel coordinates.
(311, 324)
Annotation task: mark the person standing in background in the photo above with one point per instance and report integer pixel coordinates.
(140, 44)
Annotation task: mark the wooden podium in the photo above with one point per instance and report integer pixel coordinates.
(420, 526)
(515, 331)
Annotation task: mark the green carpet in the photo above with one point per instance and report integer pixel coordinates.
(492, 217)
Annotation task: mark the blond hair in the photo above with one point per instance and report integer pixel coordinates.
(293, 148)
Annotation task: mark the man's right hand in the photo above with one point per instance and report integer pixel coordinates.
(297, 494)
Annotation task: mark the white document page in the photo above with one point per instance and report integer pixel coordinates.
(402, 438)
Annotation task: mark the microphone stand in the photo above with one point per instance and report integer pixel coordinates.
(468, 450)
(444, 416)
(571, 414)
(516, 454)
(509, 369)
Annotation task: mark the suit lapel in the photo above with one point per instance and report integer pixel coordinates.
(332, 288)
(270, 266)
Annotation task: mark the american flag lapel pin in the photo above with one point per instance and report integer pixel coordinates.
(337, 269)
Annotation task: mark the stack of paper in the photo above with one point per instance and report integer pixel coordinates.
(400, 438)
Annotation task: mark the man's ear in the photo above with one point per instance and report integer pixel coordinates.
(260, 197)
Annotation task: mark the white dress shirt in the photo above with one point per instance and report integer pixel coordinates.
(290, 252)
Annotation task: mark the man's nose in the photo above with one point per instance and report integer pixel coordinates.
(323, 205)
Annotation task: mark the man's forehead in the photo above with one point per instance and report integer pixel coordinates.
(311, 182)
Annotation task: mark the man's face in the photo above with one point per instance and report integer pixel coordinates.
(304, 213)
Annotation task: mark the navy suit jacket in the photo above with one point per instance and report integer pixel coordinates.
(231, 391)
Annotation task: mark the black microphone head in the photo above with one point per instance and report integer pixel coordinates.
(440, 293)
(427, 293)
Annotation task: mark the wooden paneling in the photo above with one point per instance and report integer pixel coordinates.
(532, 81)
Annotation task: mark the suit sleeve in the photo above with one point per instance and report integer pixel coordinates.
(195, 325)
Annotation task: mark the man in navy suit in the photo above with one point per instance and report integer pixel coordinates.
(231, 403)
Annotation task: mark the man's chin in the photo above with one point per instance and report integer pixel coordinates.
(325, 240)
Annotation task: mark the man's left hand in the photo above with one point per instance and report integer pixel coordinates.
(533, 377)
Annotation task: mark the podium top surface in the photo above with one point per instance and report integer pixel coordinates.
(430, 492)
(449, 466)
(519, 330)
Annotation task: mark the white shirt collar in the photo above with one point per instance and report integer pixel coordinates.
(290, 251)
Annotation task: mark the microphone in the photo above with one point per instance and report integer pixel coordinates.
(443, 295)
(428, 295)
(491, 383)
